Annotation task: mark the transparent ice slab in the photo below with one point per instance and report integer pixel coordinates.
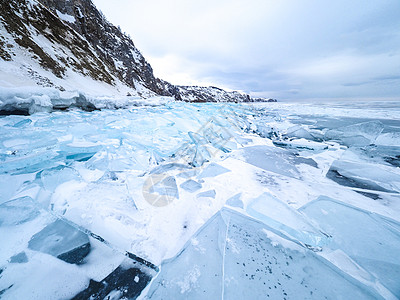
(273, 159)
(235, 257)
(213, 170)
(362, 235)
(51, 178)
(191, 185)
(282, 217)
(364, 176)
(29, 163)
(18, 211)
(165, 187)
(360, 134)
(388, 139)
(235, 201)
(63, 241)
(19, 258)
(207, 194)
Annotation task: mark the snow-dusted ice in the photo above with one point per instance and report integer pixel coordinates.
(215, 200)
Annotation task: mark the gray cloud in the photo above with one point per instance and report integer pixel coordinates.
(284, 49)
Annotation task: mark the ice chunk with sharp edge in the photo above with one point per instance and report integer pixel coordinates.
(213, 170)
(19, 258)
(235, 201)
(191, 185)
(207, 194)
(357, 134)
(282, 217)
(63, 241)
(362, 236)
(363, 175)
(17, 211)
(235, 257)
(166, 187)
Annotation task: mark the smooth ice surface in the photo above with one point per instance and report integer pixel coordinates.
(363, 236)
(270, 159)
(234, 257)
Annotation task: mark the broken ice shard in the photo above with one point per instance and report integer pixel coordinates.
(207, 194)
(191, 185)
(62, 241)
(235, 257)
(213, 170)
(364, 176)
(235, 201)
(282, 217)
(165, 187)
(22, 123)
(280, 161)
(361, 134)
(362, 235)
(19, 258)
(17, 211)
(51, 178)
(28, 163)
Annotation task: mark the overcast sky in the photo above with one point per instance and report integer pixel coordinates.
(284, 49)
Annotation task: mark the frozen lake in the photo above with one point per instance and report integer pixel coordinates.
(195, 201)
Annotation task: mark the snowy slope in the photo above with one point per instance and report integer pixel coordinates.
(70, 46)
(38, 48)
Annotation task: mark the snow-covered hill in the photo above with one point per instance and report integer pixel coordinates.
(40, 48)
(68, 45)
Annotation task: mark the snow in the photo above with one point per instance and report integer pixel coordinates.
(65, 17)
(25, 72)
(199, 195)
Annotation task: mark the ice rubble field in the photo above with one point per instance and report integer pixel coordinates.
(197, 201)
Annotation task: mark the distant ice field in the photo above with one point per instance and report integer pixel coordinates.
(193, 201)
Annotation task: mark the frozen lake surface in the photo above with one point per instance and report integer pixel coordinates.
(197, 201)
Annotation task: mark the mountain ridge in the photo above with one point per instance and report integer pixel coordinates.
(52, 41)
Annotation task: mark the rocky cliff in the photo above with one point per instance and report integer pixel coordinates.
(50, 42)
